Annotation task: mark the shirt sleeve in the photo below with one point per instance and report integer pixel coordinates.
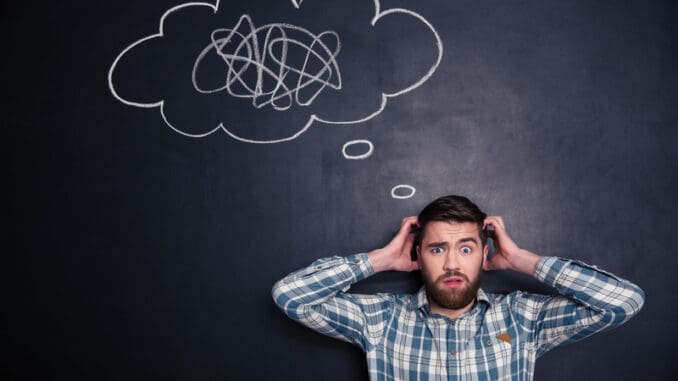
(590, 300)
(316, 297)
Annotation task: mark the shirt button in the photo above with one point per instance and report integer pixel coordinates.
(489, 342)
(357, 261)
(453, 352)
(318, 267)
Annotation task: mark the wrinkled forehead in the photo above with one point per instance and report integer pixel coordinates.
(450, 231)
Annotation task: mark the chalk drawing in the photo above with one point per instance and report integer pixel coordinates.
(244, 51)
(322, 48)
(395, 189)
(368, 153)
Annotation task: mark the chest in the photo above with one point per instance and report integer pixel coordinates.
(488, 346)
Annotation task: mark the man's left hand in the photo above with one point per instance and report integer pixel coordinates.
(507, 254)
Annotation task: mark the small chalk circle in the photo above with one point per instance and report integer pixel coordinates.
(395, 189)
(370, 149)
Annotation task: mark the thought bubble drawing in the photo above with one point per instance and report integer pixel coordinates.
(266, 73)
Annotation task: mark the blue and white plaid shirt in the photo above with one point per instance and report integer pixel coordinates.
(498, 339)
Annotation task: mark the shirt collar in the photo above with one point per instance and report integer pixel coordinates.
(422, 300)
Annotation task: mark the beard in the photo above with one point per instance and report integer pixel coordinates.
(449, 297)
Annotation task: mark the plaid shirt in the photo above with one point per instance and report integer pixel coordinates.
(498, 339)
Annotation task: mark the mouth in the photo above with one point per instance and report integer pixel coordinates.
(453, 281)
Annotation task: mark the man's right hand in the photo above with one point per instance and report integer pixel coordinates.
(396, 254)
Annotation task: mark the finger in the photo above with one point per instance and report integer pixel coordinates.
(499, 228)
(403, 234)
(496, 221)
(500, 220)
(409, 218)
(409, 221)
(406, 226)
(409, 225)
(489, 220)
(407, 245)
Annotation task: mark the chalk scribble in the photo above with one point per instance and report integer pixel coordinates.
(257, 66)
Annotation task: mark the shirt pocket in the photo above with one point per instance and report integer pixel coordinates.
(492, 358)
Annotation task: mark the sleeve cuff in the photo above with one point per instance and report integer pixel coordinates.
(361, 266)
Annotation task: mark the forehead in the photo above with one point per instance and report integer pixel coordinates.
(449, 231)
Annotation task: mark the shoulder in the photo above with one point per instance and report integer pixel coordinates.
(517, 300)
(519, 307)
(391, 301)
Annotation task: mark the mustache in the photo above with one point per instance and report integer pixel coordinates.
(453, 273)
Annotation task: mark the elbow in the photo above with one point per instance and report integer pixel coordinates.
(629, 305)
(637, 300)
(283, 297)
(278, 295)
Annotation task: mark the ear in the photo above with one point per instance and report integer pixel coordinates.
(486, 250)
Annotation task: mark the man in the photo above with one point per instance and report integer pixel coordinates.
(452, 329)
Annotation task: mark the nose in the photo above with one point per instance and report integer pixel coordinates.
(451, 262)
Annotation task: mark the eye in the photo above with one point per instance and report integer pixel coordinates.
(466, 250)
(437, 250)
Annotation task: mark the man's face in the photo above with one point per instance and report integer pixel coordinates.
(451, 256)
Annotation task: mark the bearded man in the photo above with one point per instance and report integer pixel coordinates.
(451, 328)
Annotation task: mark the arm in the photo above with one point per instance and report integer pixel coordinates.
(590, 301)
(316, 295)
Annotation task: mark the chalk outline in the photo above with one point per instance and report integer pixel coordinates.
(297, 4)
(399, 186)
(358, 157)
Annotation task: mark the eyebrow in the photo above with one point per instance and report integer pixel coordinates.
(468, 239)
(445, 243)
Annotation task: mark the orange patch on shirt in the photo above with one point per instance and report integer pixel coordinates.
(504, 337)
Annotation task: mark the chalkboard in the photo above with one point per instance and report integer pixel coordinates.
(169, 161)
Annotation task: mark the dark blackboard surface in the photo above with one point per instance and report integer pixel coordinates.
(135, 252)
